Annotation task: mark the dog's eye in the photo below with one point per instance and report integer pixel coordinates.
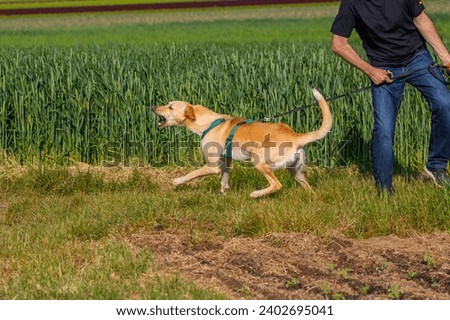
(170, 108)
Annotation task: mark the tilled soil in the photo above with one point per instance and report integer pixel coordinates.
(303, 266)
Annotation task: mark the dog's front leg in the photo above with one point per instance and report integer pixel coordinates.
(206, 170)
(226, 167)
(274, 186)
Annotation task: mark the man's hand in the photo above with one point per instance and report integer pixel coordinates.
(342, 48)
(428, 31)
(447, 67)
(379, 76)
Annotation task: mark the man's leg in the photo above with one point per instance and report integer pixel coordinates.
(438, 96)
(386, 102)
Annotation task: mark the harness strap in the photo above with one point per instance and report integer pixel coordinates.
(212, 126)
(229, 143)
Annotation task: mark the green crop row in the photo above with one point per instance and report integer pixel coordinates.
(22, 4)
(91, 104)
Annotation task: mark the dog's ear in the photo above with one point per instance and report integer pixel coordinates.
(189, 113)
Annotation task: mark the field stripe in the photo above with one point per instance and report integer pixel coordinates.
(151, 6)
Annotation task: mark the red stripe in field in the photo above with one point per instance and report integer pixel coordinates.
(152, 6)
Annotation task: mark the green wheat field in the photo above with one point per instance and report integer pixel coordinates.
(75, 90)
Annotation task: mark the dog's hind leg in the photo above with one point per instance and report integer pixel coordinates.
(274, 184)
(226, 167)
(297, 170)
(206, 170)
(300, 177)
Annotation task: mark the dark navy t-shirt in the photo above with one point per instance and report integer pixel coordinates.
(385, 27)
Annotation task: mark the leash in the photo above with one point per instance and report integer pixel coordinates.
(297, 109)
(443, 74)
(442, 69)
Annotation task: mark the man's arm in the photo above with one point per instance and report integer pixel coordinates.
(342, 48)
(428, 31)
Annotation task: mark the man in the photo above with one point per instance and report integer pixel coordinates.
(394, 34)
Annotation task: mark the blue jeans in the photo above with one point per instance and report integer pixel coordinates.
(386, 103)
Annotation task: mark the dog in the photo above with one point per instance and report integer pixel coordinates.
(268, 146)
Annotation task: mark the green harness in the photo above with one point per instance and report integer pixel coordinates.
(229, 142)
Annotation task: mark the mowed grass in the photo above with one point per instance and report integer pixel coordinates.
(222, 32)
(65, 233)
(182, 27)
(62, 236)
(305, 23)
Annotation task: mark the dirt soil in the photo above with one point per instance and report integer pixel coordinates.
(303, 266)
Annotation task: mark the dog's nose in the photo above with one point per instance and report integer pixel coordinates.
(154, 108)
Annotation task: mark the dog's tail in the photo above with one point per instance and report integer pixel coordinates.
(327, 122)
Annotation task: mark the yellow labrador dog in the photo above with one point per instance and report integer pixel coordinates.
(269, 146)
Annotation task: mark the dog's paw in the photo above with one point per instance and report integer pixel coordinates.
(256, 194)
(177, 181)
(224, 188)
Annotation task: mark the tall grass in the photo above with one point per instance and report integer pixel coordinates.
(91, 104)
